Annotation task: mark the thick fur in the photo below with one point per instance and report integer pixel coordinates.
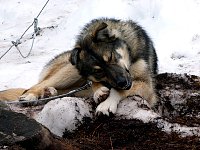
(118, 56)
(11, 94)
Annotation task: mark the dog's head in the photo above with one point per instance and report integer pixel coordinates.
(103, 57)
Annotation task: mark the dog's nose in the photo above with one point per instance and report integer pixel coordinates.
(123, 83)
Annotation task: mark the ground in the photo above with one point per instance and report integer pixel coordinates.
(178, 126)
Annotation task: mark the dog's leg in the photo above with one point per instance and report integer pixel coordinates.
(144, 90)
(11, 94)
(38, 91)
(110, 104)
(55, 79)
(138, 88)
(143, 82)
(100, 92)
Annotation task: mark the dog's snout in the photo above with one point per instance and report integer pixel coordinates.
(123, 83)
(118, 77)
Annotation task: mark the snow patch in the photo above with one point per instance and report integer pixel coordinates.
(131, 109)
(63, 114)
(177, 128)
(172, 25)
(137, 108)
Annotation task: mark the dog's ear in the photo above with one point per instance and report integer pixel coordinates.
(75, 56)
(102, 34)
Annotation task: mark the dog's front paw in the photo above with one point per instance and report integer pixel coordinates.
(106, 107)
(49, 91)
(110, 104)
(32, 95)
(28, 97)
(101, 94)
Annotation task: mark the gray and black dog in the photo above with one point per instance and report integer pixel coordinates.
(118, 56)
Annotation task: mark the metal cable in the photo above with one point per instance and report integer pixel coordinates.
(36, 32)
(23, 56)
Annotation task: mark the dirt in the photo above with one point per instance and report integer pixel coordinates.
(128, 134)
(179, 98)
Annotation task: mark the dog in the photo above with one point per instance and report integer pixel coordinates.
(117, 56)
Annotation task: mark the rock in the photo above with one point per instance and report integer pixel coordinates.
(64, 114)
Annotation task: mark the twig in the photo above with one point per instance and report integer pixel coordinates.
(96, 129)
(111, 143)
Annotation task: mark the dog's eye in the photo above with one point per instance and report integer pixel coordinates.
(97, 70)
(98, 73)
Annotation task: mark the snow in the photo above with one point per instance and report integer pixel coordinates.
(68, 113)
(129, 109)
(177, 128)
(63, 114)
(172, 25)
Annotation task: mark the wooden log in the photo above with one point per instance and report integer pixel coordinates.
(17, 130)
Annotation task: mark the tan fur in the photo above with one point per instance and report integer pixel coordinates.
(105, 58)
(125, 60)
(60, 74)
(97, 67)
(11, 94)
(143, 84)
(141, 89)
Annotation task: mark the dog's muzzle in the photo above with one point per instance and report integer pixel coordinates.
(124, 83)
(118, 77)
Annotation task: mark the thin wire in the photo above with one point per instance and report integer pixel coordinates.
(42, 8)
(29, 50)
(7, 51)
(18, 40)
(34, 19)
(26, 30)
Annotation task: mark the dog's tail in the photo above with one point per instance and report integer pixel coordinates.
(11, 94)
